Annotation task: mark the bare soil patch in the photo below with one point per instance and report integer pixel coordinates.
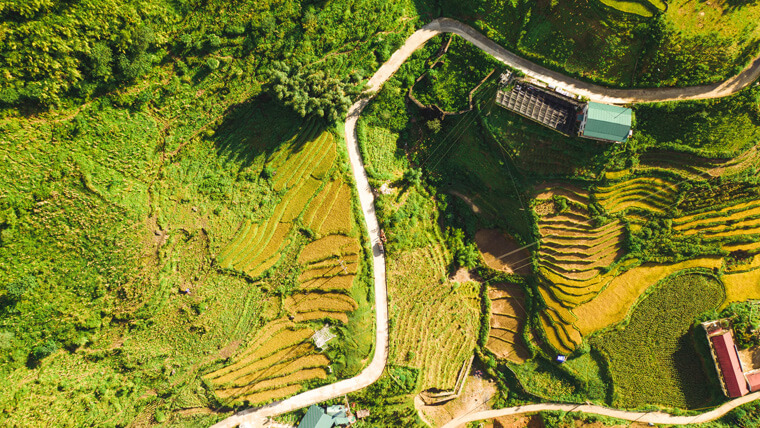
(520, 421)
(464, 275)
(475, 395)
(502, 253)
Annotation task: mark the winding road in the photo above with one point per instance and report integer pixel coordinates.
(256, 417)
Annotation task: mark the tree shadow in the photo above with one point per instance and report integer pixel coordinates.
(259, 127)
(690, 372)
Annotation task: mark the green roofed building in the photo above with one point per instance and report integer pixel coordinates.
(605, 122)
(333, 416)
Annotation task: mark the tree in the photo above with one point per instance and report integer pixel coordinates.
(311, 92)
(16, 289)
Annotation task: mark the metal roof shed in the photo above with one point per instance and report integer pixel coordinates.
(730, 366)
(606, 122)
(316, 418)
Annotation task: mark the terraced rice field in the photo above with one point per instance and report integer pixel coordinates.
(300, 166)
(650, 194)
(574, 259)
(275, 365)
(282, 358)
(613, 304)
(730, 223)
(434, 323)
(508, 317)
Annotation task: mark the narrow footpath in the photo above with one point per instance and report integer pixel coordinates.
(256, 417)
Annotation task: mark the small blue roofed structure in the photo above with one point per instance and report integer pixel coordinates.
(333, 416)
(561, 358)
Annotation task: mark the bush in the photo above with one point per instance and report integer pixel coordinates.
(212, 63)
(43, 351)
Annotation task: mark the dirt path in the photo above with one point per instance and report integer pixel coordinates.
(644, 417)
(256, 417)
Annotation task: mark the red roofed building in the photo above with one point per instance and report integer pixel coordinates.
(753, 379)
(727, 360)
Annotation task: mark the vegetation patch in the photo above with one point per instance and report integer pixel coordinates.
(652, 359)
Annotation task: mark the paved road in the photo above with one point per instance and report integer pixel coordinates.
(256, 416)
(590, 90)
(645, 417)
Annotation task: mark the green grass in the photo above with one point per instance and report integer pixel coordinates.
(723, 127)
(652, 359)
(457, 72)
(633, 7)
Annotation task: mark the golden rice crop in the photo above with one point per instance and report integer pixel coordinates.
(269, 395)
(272, 246)
(335, 302)
(742, 286)
(281, 340)
(318, 315)
(278, 372)
(325, 161)
(345, 268)
(613, 303)
(256, 367)
(335, 261)
(340, 218)
(323, 211)
(325, 196)
(727, 213)
(340, 282)
(299, 197)
(296, 165)
(331, 245)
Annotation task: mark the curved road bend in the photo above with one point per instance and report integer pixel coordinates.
(256, 416)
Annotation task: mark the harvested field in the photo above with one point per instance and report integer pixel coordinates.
(434, 321)
(501, 253)
(508, 318)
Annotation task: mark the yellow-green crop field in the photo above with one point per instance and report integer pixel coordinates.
(282, 358)
(434, 322)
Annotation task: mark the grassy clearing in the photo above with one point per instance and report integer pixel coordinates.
(671, 374)
(508, 318)
(723, 127)
(633, 7)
